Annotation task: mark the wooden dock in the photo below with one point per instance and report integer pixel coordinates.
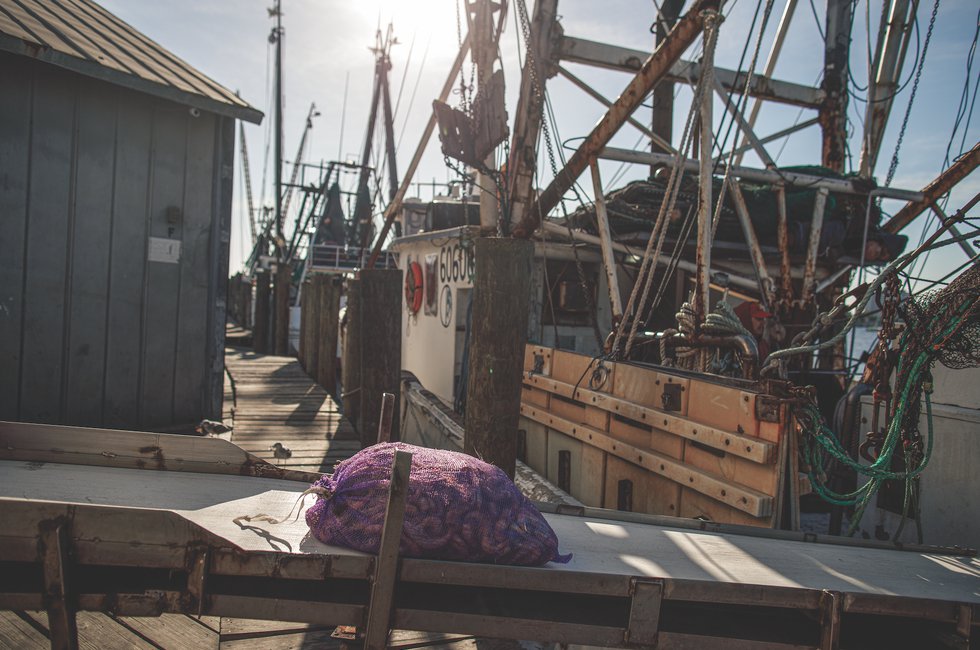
(270, 399)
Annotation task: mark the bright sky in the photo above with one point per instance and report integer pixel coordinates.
(327, 51)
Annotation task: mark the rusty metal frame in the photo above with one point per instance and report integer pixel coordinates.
(668, 52)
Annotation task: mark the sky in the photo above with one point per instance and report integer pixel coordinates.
(328, 61)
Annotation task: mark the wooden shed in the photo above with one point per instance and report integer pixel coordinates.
(116, 169)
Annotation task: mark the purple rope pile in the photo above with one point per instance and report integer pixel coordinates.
(458, 508)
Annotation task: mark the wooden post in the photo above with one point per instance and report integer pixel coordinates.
(378, 622)
(501, 293)
(283, 273)
(328, 325)
(260, 332)
(351, 365)
(381, 347)
(302, 349)
(59, 602)
(311, 305)
(387, 409)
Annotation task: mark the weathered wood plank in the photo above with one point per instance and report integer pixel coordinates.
(168, 153)
(85, 340)
(171, 631)
(47, 247)
(17, 633)
(191, 369)
(123, 359)
(735, 496)
(745, 446)
(15, 120)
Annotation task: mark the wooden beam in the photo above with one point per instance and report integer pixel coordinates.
(54, 543)
(380, 324)
(754, 449)
(386, 566)
(283, 278)
(733, 495)
(351, 366)
(501, 293)
(260, 329)
(328, 325)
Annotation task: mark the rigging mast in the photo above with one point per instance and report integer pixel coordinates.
(276, 37)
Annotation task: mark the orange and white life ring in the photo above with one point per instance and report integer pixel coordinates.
(413, 287)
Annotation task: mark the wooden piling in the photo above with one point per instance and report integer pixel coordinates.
(328, 288)
(260, 330)
(283, 276)
(501, 293)
(302, 349)
(351, 364)
(381, 348)
(311, 315)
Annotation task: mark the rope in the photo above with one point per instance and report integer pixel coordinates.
(633, 309)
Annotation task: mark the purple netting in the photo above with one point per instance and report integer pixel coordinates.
(458, 508)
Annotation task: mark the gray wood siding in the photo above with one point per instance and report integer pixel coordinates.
(91, 332)
(15, 126)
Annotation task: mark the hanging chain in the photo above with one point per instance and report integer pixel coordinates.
(539, 93)
(915, 87)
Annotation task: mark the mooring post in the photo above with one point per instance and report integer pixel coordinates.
(302, 349)
(381, 348)
(328, 290)
(283, 273)
(260, 331)
(311, 306)
(351, 364)
(501, 293)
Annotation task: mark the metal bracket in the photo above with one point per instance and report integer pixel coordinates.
(671, 397)
(768, 408)
(644, 620)
(964, 621)
(53, 550)
(831, 606)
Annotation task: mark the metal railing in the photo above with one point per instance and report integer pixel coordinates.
(330, 257)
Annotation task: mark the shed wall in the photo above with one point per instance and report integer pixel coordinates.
(93, 332)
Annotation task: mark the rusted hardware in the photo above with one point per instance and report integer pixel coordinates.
(671, 397)
(768, 408)
(744, 345)
(813, 246)
(197, 575)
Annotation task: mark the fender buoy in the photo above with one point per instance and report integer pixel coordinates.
(413, 287)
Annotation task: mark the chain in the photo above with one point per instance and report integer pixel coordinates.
(915, 87)
(549, 146)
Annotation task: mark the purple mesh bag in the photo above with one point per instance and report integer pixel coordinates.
(457, 508)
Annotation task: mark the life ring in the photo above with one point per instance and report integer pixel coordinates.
(413, 287)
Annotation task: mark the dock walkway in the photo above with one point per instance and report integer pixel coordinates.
(271, 399)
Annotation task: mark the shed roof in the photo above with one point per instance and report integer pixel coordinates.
(82, 36)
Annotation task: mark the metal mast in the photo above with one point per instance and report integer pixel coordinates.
(276, 37)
